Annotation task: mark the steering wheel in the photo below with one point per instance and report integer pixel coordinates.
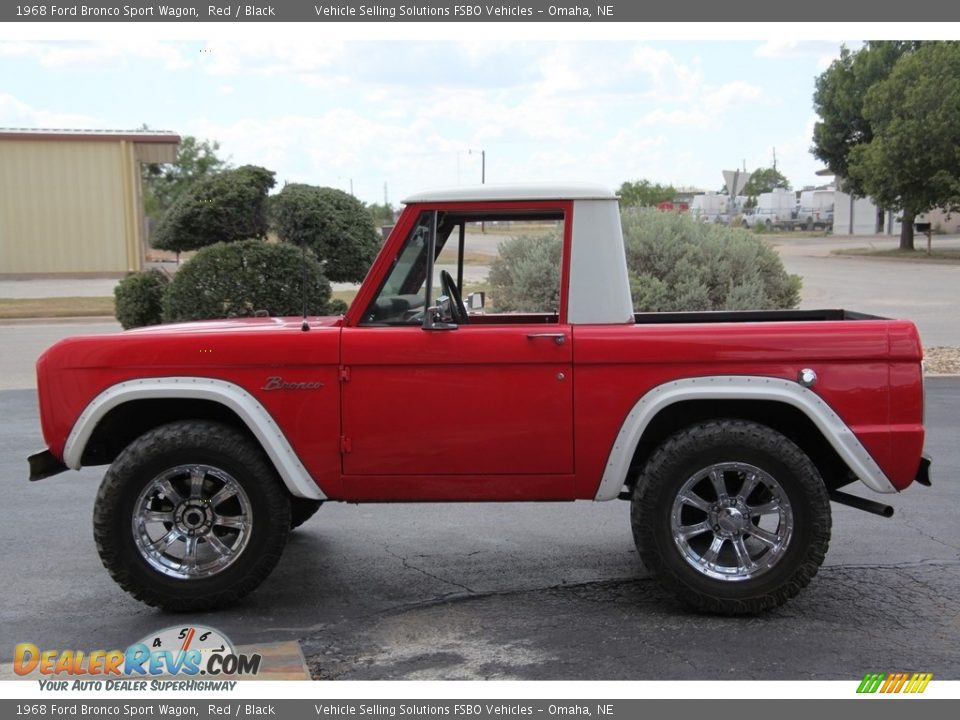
(449, 288)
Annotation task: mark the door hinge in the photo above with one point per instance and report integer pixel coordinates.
(344, 373)
(345, 444)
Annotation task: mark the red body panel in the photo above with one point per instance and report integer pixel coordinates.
(485, 412)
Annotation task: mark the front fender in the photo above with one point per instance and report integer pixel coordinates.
(243, 404)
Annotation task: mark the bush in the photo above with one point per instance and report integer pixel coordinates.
(526, 275)
(678, 264)
(243, 278)
(334, 225)
(225, 207)
(674, 264)
(139, 299)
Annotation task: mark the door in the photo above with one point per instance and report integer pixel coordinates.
(476, 407)
(478, 400)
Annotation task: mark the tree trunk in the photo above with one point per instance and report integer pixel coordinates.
(906, 230)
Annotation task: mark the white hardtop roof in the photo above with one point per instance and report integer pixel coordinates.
(540, 191)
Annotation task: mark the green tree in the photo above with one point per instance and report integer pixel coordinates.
(241, 279)
(163, 184)
(225, 207)
(912, 162)
(838, 98)
(765, 180)
(382, 214)
(643, 193)
(333, 224)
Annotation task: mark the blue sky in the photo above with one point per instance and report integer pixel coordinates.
(407, 112)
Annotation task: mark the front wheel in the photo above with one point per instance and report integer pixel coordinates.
(731, 516)
(191, 516)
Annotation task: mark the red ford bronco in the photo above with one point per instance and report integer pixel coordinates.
(729, 432)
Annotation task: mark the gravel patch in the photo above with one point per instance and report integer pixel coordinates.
(942, 360)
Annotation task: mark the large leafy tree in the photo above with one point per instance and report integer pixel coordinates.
(336, 226)
(839, 96)
(643, 193)
(225, 207)
(163, 184)
(765, 180)
(912, 162)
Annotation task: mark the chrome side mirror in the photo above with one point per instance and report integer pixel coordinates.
(439, 316)
(476, 300)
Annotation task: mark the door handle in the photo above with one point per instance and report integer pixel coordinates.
(558, 338)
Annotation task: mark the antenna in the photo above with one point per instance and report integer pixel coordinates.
(305, 327)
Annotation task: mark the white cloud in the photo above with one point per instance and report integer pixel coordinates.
(823, 51)
(731, 95)
(270, 57)
(17, 114)
(94, 56)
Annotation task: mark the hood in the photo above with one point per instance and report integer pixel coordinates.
(206, 347)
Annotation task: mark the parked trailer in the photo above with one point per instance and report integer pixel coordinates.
(815, 210)
(776, 209)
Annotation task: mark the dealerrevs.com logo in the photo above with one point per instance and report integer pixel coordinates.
(889, 683)
(178, 651)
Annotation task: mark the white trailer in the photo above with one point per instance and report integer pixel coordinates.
(710, 207)
(816, 209)
(776, 209)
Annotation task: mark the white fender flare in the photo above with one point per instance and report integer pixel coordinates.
(738, 387)
(246, 406)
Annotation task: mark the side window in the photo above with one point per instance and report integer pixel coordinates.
(516, 262)
(511, 259)
(402, 297)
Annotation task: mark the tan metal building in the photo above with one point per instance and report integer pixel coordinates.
(71, 201)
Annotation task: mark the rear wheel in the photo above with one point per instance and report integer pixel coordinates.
(731, 516)
(191, 516)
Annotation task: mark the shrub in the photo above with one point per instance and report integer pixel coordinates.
(526, 275)
(678, 264)
(334, 225)
(674, 264)
(225, 207)
(139, 298)
(243, 278)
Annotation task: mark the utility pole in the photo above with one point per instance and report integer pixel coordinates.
(483, 177)
(483, 164)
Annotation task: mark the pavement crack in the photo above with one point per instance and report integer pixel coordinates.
(930, 537)
(409, 566)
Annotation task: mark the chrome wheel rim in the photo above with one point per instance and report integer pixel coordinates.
(732, 521)
(192, 521)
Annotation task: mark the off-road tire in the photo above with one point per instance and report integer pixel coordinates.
(301, 510)
(722, 443)
(169, 446)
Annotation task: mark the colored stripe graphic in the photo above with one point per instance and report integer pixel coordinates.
(871, 683)
(894, 682)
